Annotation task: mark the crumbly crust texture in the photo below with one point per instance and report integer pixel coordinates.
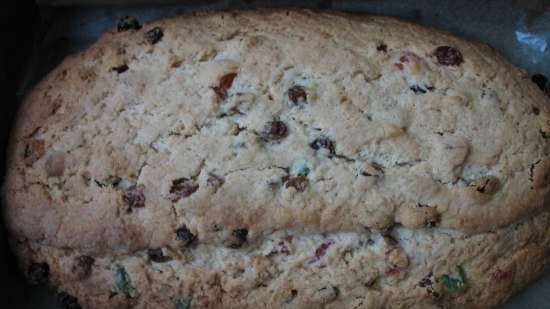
(282, 159)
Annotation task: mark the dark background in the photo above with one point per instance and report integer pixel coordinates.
(17, 34)
(35, 39)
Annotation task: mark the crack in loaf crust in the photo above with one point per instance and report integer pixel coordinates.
(159, 167)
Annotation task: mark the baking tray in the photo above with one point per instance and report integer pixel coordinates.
(518, 29)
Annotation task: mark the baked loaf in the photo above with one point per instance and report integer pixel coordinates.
(281, 159)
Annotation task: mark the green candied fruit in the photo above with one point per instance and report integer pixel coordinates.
(300, 168)
(122, 281)
(455, 282)
(182, 303)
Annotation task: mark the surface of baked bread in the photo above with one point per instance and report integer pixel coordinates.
(281, 159)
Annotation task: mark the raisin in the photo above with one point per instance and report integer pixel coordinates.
(67, 301)
(382, 47)
(426, 281)
(540, 80)
(297, 94)
(447, 55)
(157, 256)
(399, 66)
(321, 250)
(299, 183)
(154, 35)
(419, 89)
(536, 110)
(134, 196)
(127, 23)
(431, 222)
(38, 273)
(182, 188)
(86, 261)
(83, 266)
(120, 69)
(239, 237)
(291, 297)
(323, 143)
(283, 248)
(184, 235)
(225, 83)
(501, 275)
(274, 131)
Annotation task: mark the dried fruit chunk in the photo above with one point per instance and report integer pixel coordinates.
(500, 275)
(123, 284)
(297, 94)
(447, 55)
(300, 183)
(134, 196)
(83, 266)
(182, 188)
(184, 235)
(382, 47)
(157, 256)
(274, 131)
(428, 284)
(455, 282)
(38, 273)
(321, 250)
(238, 238)
(120, 68)
(34, 150)
(154, 35)
(127, 23)
(323, 143)
(67, 301)
(421, 89)
(225, 83)
(182, 303)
